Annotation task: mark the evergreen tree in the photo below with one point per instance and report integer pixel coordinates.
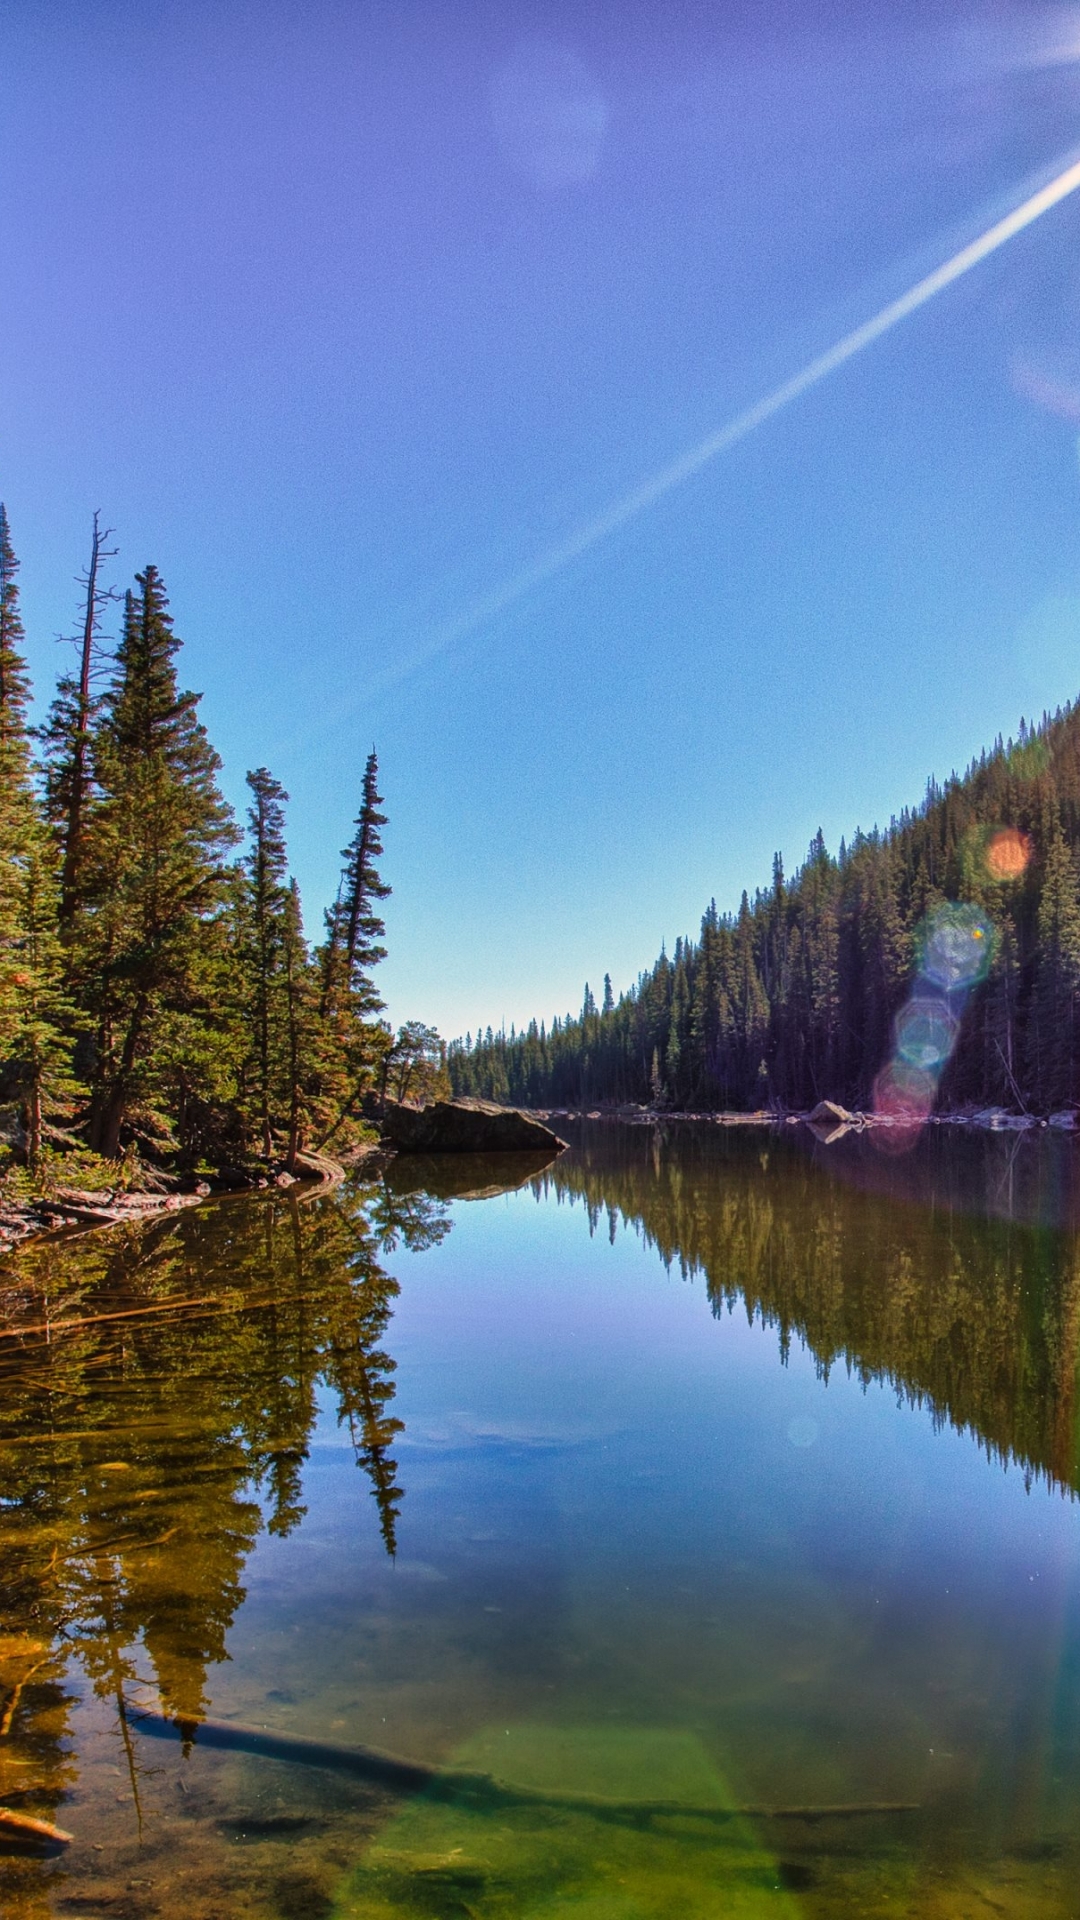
(18, 811)
(355, 1040)
(159, 837)
(302, 1027)
(354, 929)
(269, 895)
(36, 1016)
(45, 1018)
(1053, 1024)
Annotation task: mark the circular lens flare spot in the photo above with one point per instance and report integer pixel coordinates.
(957, 946)
(1008, 854)
(925, 1033)
(904, 1099)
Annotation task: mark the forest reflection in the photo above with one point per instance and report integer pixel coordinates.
(156, 1409)
(953, 1275)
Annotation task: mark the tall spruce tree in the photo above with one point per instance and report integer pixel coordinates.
(355, 1040)
(302, 1026)
(354, 929)
(46, 1019)
(18, 811)
(1054, 1012)
(159, 837)
(269, 896)
(35, 1016)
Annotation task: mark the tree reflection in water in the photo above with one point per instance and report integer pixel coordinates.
(966, 1298)
(144, 1442)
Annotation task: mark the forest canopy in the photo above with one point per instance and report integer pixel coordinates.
(936, 963)
(159, 998)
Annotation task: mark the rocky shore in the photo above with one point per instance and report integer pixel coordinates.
(66, 1209)
(828, 1120)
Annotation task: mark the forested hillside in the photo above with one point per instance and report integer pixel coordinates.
(821, 982)
(158, 996)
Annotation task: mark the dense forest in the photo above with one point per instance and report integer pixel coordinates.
(159, 999)
(934, 963)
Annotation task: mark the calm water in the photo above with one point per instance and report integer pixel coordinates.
(703, 1468)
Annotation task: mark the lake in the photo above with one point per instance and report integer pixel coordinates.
(710, 1494)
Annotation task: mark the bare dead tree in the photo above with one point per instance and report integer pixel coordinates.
(71, 727)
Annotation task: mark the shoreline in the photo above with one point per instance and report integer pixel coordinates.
(827, 1121)
(71, 1211)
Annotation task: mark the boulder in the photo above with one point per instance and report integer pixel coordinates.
(828, 1114)
(466, 1126)
(829, 1121)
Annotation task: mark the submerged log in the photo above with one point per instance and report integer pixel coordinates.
(466, 1126)
(458, 1783)
(23, 1831)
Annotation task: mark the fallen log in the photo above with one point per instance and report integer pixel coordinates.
(24, 1831)
(458, 1783)
(204, 1304)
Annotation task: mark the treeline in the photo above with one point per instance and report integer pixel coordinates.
(157, 991)
(793, 998)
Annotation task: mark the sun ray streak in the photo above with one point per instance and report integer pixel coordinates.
(630, 505)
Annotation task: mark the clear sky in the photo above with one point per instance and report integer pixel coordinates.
(352, 314)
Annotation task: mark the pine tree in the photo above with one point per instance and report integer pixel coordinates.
(302, 1027)
(159, 837)
(362, 886)
(355, 1040)
(40, 1064)
(1055, 996)
(18, 811)
(268, 895)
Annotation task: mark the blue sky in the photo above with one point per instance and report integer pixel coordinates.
(345, 315)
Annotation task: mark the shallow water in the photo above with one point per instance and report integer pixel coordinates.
(716, 1475)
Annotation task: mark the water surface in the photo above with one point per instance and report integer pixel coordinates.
(705, 1468)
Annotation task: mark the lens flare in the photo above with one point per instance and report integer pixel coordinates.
(926, 1033)
(954, 948)
(904, 1096)
(957, 947)
(1008, 855)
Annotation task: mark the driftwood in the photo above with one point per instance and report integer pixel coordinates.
(24, 1831)
(8, 1716)
(458, 1783)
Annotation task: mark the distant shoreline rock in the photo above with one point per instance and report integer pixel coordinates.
(828, 1120)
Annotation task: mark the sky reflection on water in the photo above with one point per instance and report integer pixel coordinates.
(785, 1512)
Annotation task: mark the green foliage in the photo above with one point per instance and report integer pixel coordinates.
(355, 1040)
(793, 998)
(414, 1067)
(157, 996)
(158, 838)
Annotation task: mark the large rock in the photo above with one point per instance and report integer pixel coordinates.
(828, 1113)
(466, 1126)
